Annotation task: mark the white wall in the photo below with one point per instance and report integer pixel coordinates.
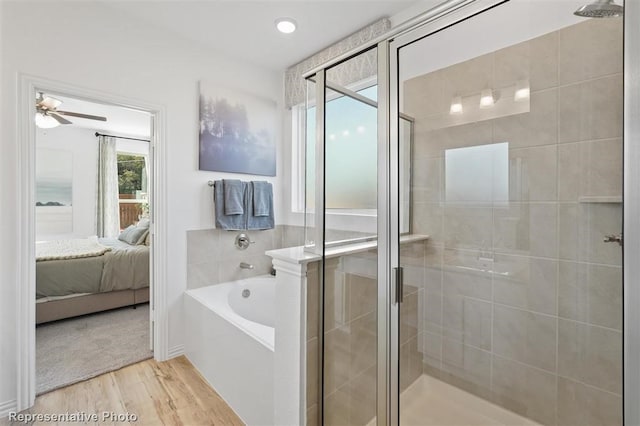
(83, 145)
(112, 53)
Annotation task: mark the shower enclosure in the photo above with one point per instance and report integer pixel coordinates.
(465, 187)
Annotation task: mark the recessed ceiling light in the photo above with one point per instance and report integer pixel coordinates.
(286, 25)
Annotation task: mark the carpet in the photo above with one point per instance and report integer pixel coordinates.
(76, 349)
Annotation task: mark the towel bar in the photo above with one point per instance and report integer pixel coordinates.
(211, 183)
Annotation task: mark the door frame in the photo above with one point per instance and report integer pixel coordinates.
(28, 86)
(631, 187)
(631, 214)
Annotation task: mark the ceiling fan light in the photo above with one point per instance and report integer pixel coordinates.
(44, 121)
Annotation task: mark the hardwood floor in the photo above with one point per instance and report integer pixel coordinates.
(167, 393)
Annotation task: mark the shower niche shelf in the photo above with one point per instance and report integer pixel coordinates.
(601, 199)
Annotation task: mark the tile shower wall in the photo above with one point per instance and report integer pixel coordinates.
(350, 339)
(212, 257)
(520, 301)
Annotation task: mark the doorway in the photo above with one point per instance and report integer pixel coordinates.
(93, 282)
(30, 88)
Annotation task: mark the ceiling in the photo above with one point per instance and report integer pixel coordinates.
(120, 121)
(245, 29)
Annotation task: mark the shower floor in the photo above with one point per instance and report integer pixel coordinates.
(431, 402)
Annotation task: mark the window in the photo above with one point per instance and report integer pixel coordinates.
(132, 188)
(351, 144)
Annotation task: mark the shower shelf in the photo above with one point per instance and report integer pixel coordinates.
(601, 199)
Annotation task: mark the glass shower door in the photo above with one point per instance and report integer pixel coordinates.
(346, 183)
(512, 307)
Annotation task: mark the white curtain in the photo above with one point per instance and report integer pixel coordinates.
(108, 209)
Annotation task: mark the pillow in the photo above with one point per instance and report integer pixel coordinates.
(143, 223)
(147, 239)
(132, 235)
(143, 237)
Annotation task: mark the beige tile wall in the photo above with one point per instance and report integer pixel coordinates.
(521, 302)
(350, 339)
(213, 258)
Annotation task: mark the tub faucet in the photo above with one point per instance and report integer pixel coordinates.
(245, 265)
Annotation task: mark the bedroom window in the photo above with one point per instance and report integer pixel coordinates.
(132, 188)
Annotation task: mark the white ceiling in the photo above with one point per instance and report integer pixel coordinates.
(245, 29)
(240, 29)
(120, 121)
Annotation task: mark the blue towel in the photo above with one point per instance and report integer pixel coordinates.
(233, 197)
(262, 198)
(230, 222)
(260, 222)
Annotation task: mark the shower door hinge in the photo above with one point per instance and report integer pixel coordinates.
(399, 284)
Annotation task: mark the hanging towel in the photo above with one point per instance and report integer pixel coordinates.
(233, 197)
(260, 222)
(230, 222)
(262, 198)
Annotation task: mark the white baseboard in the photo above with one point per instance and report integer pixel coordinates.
(8, 407)
(176, 351)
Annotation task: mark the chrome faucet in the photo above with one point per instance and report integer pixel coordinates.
(245, 265)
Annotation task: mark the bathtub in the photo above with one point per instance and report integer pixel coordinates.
(230, 340)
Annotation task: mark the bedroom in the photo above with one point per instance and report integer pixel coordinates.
(92, 241)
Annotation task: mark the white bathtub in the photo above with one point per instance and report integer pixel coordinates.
(230, 340)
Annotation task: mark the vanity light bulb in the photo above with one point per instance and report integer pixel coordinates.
(456, 105)
(486, 98)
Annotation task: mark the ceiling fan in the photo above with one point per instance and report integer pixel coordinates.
(48, 115)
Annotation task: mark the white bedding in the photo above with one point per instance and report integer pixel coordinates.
(69, 249)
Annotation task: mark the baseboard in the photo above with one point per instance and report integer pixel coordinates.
(176, 351)
(8, 407)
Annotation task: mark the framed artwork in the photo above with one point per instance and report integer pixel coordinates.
(54, 191)
(237, 132)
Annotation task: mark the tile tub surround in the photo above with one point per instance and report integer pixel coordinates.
(520, 301)
(213, 258)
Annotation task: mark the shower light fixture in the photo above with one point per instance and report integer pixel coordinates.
(456, 105)
(360, 129)
(522, 91)
(286, 25)
(486, 98)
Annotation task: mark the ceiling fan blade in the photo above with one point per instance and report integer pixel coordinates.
(50, 103)
(59, 119)
(79, 115)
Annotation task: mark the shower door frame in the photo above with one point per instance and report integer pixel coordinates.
(631, 192)
(388, 320)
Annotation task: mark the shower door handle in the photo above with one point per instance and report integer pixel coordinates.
(613, 239)
(398, 284)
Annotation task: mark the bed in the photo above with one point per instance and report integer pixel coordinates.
(78, 277)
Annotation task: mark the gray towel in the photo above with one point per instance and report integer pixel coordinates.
(223, 221)
(262, 198)
(260, 222)
(233, 197)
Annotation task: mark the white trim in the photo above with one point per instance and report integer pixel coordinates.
(175, 351)
(7, 408)
(27, 85)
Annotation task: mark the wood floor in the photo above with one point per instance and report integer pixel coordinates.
(167, 393)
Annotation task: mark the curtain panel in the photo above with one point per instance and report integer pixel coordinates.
(107, 207)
